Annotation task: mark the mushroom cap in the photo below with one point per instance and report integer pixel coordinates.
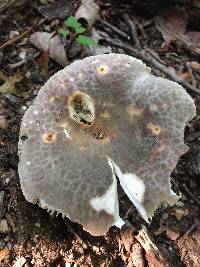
(99, 118)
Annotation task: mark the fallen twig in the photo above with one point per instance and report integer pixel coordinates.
(133, 32)
(2, 205)
(22, 62)
(21, 36)
(17, 38)
(84, 244)
(114, 29)
(153, 254)
(191, 194)
(189, 46)
(147, 58)
(170, 74)
(191, 228)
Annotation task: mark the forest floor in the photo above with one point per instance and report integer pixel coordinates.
(167, 38)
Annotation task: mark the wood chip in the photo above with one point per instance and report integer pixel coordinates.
(20, 262)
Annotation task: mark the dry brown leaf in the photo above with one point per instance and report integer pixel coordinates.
(9, 85)
(172, 24)
(3, 77)
(194, 65)
(4, 253)
(185, 75)
(41, 40)
(43, 60)
(57, 51)
(60, 9)
(173, 235)
(194, 36)
(49, 42)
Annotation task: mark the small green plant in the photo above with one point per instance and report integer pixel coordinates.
(71, 26)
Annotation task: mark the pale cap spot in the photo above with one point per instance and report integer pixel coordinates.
(67, 134)
(102, 69)
(71, 79)
(82, 147)
(52, 99)
(49, 137)
(64, 126)
(155, 129)
(105, 114)
(128, 65)
(80, 75)
(135, 111)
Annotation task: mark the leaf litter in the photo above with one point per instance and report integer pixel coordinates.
(173, 25)
(51, 43)
(9, 82)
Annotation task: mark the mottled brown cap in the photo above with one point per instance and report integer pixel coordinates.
(102, 117)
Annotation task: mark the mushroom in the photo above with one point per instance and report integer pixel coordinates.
(99, 119)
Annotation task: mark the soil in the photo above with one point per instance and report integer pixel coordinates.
(41, 239)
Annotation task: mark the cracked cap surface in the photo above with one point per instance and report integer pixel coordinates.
(100, 117)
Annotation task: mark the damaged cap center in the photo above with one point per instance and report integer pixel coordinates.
(81, 108)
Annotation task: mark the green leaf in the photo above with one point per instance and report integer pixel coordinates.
(72, 22)
(63, 32)
(80, 30)
(82, 39)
